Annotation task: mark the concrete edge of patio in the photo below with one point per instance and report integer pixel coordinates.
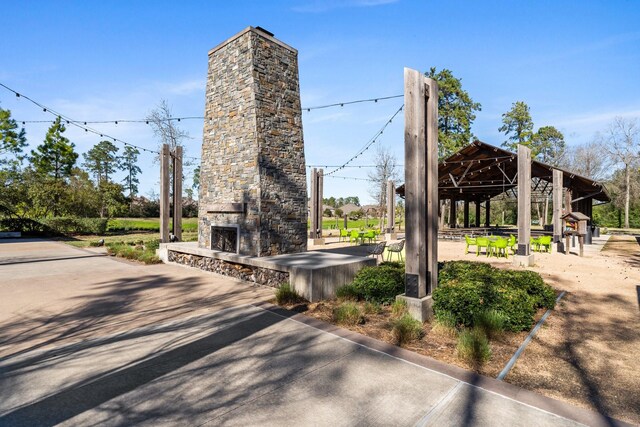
(509, 391)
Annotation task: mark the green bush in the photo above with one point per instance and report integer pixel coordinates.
(152, 244)
(468, 290)
(138, 253)
(285, 294)
(380, 284)
(473, 346)
(406, 329)
(347, 292)
(348, 313)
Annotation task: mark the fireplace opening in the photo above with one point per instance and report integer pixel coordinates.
(224, 238)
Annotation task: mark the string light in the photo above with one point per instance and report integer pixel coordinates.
(368, 144)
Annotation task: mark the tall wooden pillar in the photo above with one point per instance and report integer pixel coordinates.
(557, 209)
(391, 203)
(164, 193)
(177, 193)
(477, 203)
(466, 214)
(487, 213)
(421, 189)
(523, 256)
(453, 213)
(315, 204)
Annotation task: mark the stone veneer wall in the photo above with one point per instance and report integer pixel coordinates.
(259, 275)
(253, 150)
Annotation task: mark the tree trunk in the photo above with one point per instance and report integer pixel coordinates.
(627, 195)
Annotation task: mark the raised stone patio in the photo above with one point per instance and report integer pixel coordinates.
(315, 275)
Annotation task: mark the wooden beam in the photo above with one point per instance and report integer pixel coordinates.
(524, 199)
(177, 193)
(313, 204)
(319, 202)
(421, 183)
(391, 203)
(466, 214)
(164, 194)
(487, 213)
(477, 203)
(557, 209)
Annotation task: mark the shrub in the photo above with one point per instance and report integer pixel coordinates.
(398, 308)
(468, 290)
(152, 244)
(285, 294)
(348, 313)
(347, 292)
(445, 323)
(380, 284)
(125, 250)
(406, 329)
(473, 346)
(491, 322)
(372, 308)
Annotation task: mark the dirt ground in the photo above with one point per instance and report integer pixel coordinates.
(587, 351)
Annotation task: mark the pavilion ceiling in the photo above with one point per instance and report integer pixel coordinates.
(482, 171)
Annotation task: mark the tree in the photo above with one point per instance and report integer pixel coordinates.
(55, 157)
(550, 145)
(386, 168)
(588, 160)
(12, 141)
(456, 113)
(518, 127)
(101, 160)
(196, 179)
(165, 128)
(53, 161)
(128, 162)
(623, 145)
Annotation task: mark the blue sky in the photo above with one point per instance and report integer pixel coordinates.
(576, 64)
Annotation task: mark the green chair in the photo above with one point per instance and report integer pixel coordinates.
(500, 248)
(470, 242)
(544, 244)
(482, 242)
(344, 235)
(369, 235)
(512, 243)
(535, 244)
(354, 236)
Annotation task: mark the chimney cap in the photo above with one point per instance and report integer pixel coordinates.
(259, 28)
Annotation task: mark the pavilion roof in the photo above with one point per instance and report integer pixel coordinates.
(483, 171)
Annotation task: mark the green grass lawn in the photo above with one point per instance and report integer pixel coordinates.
(147, 224)
(123, 237)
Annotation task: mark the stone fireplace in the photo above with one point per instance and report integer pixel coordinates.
(253, 173)
(225, 238)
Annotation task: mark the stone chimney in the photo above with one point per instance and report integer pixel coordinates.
(253, 195)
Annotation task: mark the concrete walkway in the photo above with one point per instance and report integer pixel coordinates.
(157, 355)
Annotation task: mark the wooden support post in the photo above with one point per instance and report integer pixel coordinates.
(421, 189)
(391, 203)
(177, 193)
(345, 221)
(164, 193)
(320, 192)
(557, 209)
(487, 213)
(466, 214)
(523, 256)
(453, 213)
(477, 212)
(313, 226)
